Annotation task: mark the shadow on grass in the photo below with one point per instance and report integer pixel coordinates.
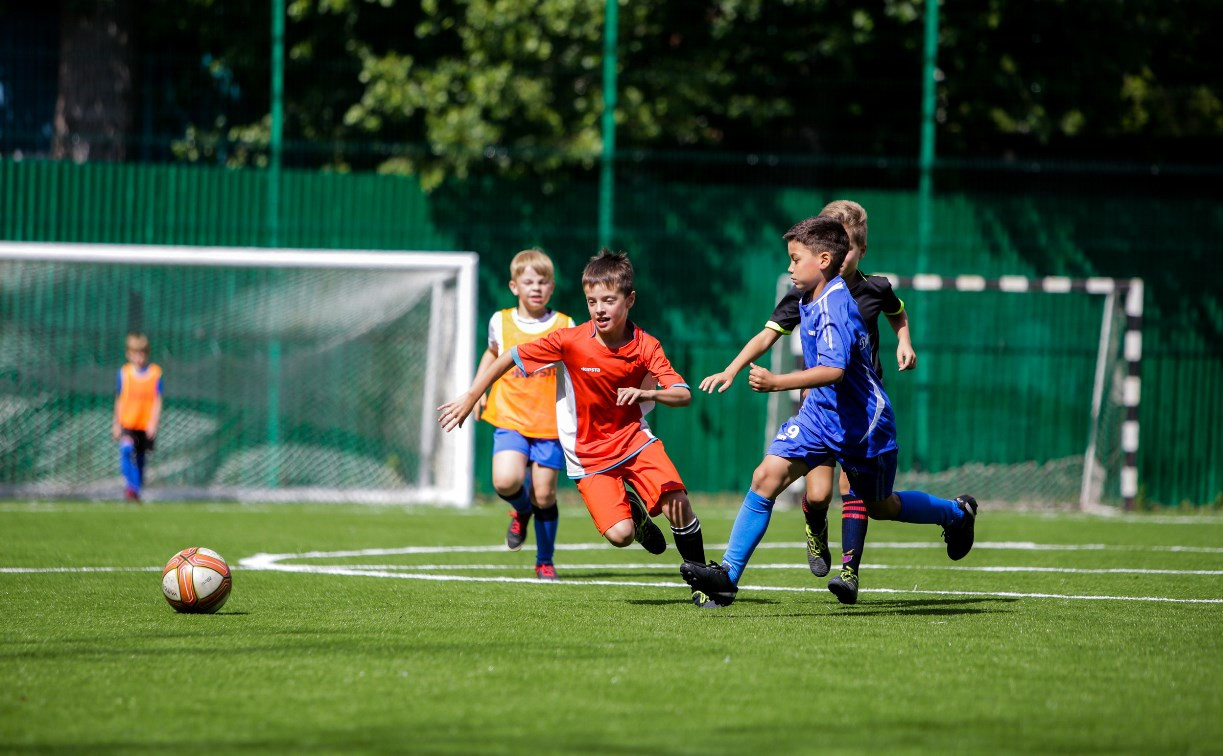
(925, 607)
(668, 602)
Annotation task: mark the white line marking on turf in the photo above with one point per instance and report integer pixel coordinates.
(318, 569)
(275, 562)
(803, 566)
(78, 569)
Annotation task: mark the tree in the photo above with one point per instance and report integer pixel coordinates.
(93, 115)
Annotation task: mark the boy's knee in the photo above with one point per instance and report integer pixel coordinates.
(507, 485)
(620, 534)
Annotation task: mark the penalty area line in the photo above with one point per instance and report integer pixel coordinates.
(438, 578)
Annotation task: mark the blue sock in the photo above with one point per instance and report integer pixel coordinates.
(853, 532)
(545, 533)
(127, 464)
(921, 507)
(745, 535)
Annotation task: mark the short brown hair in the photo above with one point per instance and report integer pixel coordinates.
(852, 216)
(822, 234)
(610, 269)
(137, 342)
(531, 258)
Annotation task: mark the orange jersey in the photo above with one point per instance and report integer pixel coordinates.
(518, 401)
(138, 392)
(595, 432)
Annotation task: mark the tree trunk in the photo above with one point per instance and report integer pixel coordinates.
(93, 111)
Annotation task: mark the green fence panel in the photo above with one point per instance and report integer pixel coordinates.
(705, 241)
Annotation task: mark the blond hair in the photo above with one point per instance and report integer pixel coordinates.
(531, 258)
(852, 216)
(137, 342)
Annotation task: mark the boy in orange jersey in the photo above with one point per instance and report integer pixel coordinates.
(527, 457)
(600, 409)
(137, 412)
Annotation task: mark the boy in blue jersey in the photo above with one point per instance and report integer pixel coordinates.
(846, 416)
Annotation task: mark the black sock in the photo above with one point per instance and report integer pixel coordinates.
(817, 517)
(689, 541)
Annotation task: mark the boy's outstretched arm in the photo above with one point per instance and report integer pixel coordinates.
(763, 380)
(676, 396)
(751, 351)
(906, 358)
(452, 414)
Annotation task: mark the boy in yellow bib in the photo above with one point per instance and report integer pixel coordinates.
(137, 412)
(527, 458)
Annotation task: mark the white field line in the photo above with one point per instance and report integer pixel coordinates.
(318, 569)
(798, 566)
(277, 562)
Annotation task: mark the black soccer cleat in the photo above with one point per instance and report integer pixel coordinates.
(819, 558)
(710, 580)
(645, 532)
(704, 601)
(960, 537)
(516, 533)
(845, 586)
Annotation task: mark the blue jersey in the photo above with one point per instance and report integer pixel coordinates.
(854, 417)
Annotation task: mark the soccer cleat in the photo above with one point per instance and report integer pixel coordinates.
(819, 558)
(704, 601)
(959, 538)
(645, 532)
(516, 533)
(545, 572)
(711, 580)
(131, 495)
(845, 586)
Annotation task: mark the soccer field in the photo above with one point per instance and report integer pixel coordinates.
(373, 629)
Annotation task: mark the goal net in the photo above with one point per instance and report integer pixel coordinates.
(1026, 389)
(304, 375)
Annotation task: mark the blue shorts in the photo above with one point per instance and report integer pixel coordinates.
(543, 451)
(870, 478)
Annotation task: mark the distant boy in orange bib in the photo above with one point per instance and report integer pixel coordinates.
(527, 458)
(137, 412)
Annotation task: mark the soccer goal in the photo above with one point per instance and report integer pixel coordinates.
(289, 375)
(1026, 391)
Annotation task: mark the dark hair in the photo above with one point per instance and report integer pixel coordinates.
(610, 269)
(822, 234)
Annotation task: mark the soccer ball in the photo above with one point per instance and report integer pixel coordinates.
(196, 581)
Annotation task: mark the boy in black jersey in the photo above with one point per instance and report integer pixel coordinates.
(873, 295)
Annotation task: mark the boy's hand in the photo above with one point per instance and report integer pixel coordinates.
(906, 358)
(721, 381)
(632, 396)
(761, 379)
(481, 405)
(115, 432)
(452, 414)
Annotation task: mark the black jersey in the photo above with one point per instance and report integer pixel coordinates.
(873, 295)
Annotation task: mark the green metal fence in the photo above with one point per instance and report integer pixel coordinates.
(705, 239)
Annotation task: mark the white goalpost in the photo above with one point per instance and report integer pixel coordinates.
(290, 375)
(1075, 376)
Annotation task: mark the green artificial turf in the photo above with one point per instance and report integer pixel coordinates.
(459, 651)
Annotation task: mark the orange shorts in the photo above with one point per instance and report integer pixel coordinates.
(651, 472)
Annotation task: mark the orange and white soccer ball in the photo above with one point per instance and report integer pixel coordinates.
(196, 581)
